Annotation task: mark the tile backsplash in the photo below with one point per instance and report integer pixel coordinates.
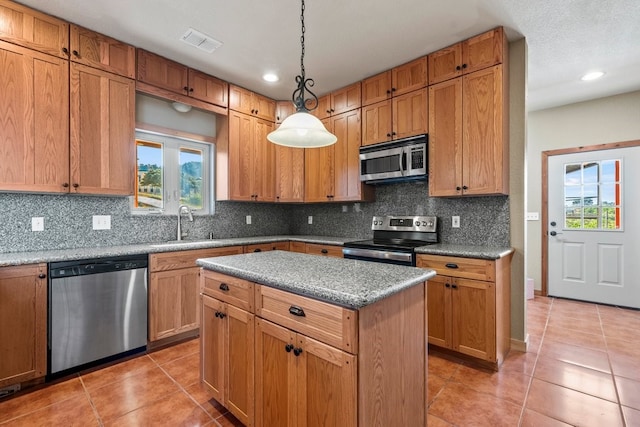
(68, 219)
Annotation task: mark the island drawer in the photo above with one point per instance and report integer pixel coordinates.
(264, 247)
(468, 268)
(184, 259)
(329, 323)
(326, 250)
(237, 292)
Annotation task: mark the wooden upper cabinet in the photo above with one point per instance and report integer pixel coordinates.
(29, 28)
(376, 88)
(247, 102)
(479, 52)
(323, 110)
(283, 110)
(347, 128)
(409, 77)
(34, 135)
(410, 114)
(102, 107)
(346, 99)
(376, 123)
(397, 81)
(208, 88)
(99, 51)
(162, 72)
(289, 174)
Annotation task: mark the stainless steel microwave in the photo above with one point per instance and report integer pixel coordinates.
(401, 160)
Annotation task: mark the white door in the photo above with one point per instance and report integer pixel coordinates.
(594, 226)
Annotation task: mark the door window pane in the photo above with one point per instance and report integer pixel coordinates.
(592, 195)
(149, 175)
(191, 177)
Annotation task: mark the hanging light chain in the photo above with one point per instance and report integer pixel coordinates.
(304, 83)
(302, 39)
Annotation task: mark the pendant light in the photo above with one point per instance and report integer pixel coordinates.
(301, 129)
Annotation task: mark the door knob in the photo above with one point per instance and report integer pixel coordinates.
(553, 233)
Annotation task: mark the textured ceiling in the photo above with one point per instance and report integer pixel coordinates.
(348, 40)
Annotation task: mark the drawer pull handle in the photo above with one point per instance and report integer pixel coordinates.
(224, 287)
(41, 276)
(297, 351)
(288, 348)
(257, 250)
(296, 311)
(454, 286)
(451, 265)
(446, 285)
(324, 251)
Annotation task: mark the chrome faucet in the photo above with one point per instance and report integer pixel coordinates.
(183, 209)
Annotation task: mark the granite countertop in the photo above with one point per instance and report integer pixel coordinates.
(465, 251)
(20, 258)
(345, 282)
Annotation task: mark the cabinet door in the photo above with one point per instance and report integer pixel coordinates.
(208, 88)
(445, 138)
(162, 72)
(34, 152)
(275, 376)
(213, 347)
(264, 107)
(347, 128)
(23, 323)
(240, 100)
(376, 123)
(173, 302)
(300, 247)
(264, 162)
(474, 318)
(483, 51)
(97, 50)
(239, 387)
(319, 172)
(29, 28)
(410, 114)
(283, 110)
(265, 247)
(240, 155)
(326, 386)
(289, 174)
(485, 151)
(376, 88)
(346, 99)
(445, 64)
(439, 310)
(409, 77)
(102, 125)
(323, 111)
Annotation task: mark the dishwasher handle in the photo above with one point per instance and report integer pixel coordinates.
(96, 266)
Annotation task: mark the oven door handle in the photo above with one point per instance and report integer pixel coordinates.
(363, 254)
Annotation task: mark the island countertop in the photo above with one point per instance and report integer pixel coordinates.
(345, 282)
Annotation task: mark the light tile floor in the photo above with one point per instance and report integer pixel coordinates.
(582, 368)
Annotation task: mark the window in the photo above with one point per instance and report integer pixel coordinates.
(592, 198)
(171, 172)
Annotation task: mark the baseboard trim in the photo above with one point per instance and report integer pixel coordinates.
(518, 345)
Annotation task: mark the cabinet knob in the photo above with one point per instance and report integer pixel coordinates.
(464, 187)
(297, 351)
(458, 188)
(454, 286)
(328, 111)
(393, 134)
(332, 110)
(224, 287)
(257, 250)
(65, 51)
(324, 251)
(65, 185)
(256, 111)
(464, 66)
(75, 53)
(76, 185)
(190, 89)
(288, 348)
(41, 276)
(458, 68)
(185, 87)
(388, 135)
(447, 285)
(393, 89)
(388, 92)
(296, 311)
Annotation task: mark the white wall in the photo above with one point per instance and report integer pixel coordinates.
(159, 112)
(600, 121)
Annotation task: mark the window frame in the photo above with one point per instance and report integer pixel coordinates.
(172, 142)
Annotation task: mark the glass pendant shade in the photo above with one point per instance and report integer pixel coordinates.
(302, 130)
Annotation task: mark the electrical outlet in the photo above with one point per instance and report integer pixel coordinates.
(532, 216)
(345, 208)
(248, 219)
(102, 222)
(37, 223)
(455, 221)
(310, 220)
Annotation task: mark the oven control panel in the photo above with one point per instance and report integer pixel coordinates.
(426, 224)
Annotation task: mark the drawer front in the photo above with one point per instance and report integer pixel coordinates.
(326, 250)
(185, 259)
(331, 324)
(468, 268)
(237, 292)
(264, 247)
(298, 247)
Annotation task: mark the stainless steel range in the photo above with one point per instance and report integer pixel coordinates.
(394, 239)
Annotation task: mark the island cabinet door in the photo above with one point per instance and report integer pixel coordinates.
(439, 310)
(239, 363)
(213, 348)
(327, 377)
(276, 385)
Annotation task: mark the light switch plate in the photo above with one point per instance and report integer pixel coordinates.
(102, 222)
(37, 223)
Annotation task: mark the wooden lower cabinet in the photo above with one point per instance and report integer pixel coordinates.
(264, 247)
(301, 381)
(23, 323)
(316, 249)
(469, 306)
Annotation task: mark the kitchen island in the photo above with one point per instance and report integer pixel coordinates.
(295, 339)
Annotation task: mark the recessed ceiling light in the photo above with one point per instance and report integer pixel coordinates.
(592, 76)
(270, 77)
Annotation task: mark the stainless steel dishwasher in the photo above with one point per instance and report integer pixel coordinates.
(97, 311)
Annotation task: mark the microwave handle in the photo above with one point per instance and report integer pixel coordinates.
(403, 161)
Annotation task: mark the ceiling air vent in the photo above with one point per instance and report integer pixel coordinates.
(201, 41)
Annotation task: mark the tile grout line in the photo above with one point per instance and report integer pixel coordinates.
(93, 406)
